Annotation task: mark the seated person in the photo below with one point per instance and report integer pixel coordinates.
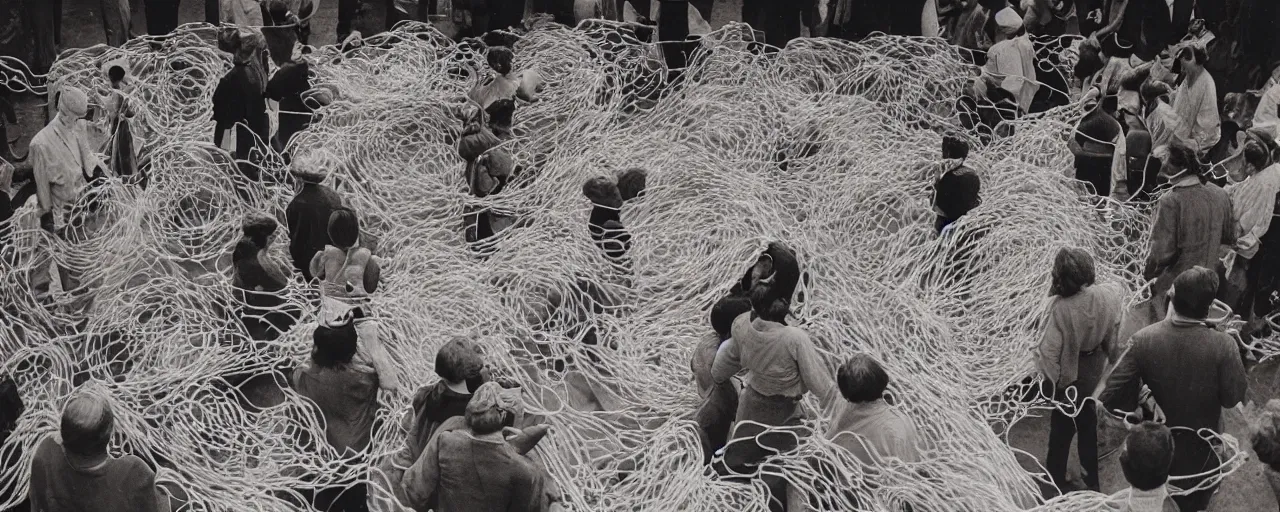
(605, 223)
(475, 469)
(867, 426)
(1145, 460)
(956, 192)
(348, 273)
(78, 474)
(720, 402)
(1266, 443)
(258, 279)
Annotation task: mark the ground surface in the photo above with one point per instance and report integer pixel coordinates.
(1245, 491)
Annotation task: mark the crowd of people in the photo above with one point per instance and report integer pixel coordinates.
(1154, 131)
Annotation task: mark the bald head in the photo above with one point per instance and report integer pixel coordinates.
(87, 423)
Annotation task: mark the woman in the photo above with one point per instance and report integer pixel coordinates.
(720, 402)
(346, 397)
(239, 102)
(1097, 138)
(124, 144)
(258, 280)
(475, 469)
(1080, 337)
(348, 273)
(1254, 205)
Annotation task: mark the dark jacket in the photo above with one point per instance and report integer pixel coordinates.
(308, 219)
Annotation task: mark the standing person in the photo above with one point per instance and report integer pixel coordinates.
(1192, 222)
(239, 101)
(116, 20)
(1267, 115)
(1196, 100)
(1145, 459)
(348, 274)
(1098, 138)
(957, 191)
(719, 401)
(866, 425)
(287, 86)
(1193, 372)
(45, 19)
(346, 397)
(124, 143)
(78, 474)
(258, 279)
(1079, 339)
(162, 16)
(1012, 59)
(1253, 205)
(308, 216)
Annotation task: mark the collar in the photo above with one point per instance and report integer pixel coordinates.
(1147, 501)
(1181, 321)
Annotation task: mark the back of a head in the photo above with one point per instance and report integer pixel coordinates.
(632, 182)
(1072, 270)
(726, 311)
(500, 59)
(954, 148)
(1259, 148)
(87, 423)
(1194, 291)
(459, 360)
(1181, 158)
(1266, 437)
(768, 303)
(1151, 90)
(1147, 455)
(259, 227)
(334, 345)
(602, 191)
(344, 228)
(485, 411)
(115, 73)
(861, 379)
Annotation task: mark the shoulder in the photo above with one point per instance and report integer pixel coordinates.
(135, 468)
(47, 450)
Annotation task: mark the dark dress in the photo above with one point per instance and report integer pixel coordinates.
(1096, 138)
(308, 218)
(239, 99)
(956, 193)
(258, 288)
(286, 87)
(607, 231)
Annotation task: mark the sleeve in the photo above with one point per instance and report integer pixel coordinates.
(1049, 354)
(1120, 162)
(41, 161)
(1207, 119)
(388, 374)
(143, 494)
(728, 362)
(526, 494)
(1164, 248)
(421, 479)
(1122, 386)
(1267, 116)
(1232, 382)
(88, 158)
(814, 374)
(317, 265)
(1112, 337)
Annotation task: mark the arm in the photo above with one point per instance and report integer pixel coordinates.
(372, 274)
(143, 495)
(1208, 122)
(1049, 354)
(1121, 391)
(1164, 248)
(1119, 5)
(87, 155)
(1232, 382)
(421, 479)
(728, 362)
(814, 374)
(1267, 116)
(523, 485)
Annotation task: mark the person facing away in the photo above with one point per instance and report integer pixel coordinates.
(76, 474)
(258, 279)
(1192, 222)
(287, 86)
(348, 273)
(1196, 100)
(345, 395)
(475, 469)
(1098, 139)
(239, 102)
(1012, 59)
(308, 218)
(1079, 338)
(957, 191)
(719, 401)
(1145, 459)
(1253, 206)
(1266, 443)
(782, 365)
(62, 160)
(866, 425)
(1193, 372)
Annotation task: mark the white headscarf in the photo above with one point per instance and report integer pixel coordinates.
(1008, 21)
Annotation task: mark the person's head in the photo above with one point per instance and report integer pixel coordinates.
(334, 345)
(1153, 91)
(603, 191)
(344, 228)
(1008, 24)
(460, 361)
(487, 411)
(1146, 456)
(261, 229)
(1089, 62)
(500, 59)
(73, 105)
(725, 312)
(861, 379)
(1259, 149)
(1266, 435)
(768, 303)
(115, 73)
(1193, 292)
(954, 148)
(87, 424)
(250, 47)
(1072, 271)
(631, 183)
(1180, 163)
(1191, 60)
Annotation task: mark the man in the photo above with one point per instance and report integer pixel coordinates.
(308, 218)
(63, 165)
(866, 425)
(1012, 59)
(116, 21)
(1145, 459)
(956, 192)
(1193, 372)
(78, 474)
(1193, 221)
(1098, 146)
(1164, 124)
(1196, 100)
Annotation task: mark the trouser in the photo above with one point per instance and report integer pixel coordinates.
(162, 16)
(1182, 11)
(748, 444)
(1193, 455)
(212, 12)
(1090, 15)
(1063, 428)
(45, 17)
(1095, 170)
(715, 419)
(505, 14)
(115, 20)
(347, 10)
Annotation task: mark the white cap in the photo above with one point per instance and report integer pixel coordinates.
(1008, 21)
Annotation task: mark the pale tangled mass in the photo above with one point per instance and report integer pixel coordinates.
(856, 124)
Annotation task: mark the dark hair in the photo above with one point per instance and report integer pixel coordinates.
(500, 56)
(1198, 54)
(862, 379)
(115, 73)
(631, 183)
(80, 438)
(458, 360)
(1090, 62)
(333, 345)
(726, 311)
(344, 228)
(1147, 455)
(1182, 157)
(602, 191)
(954, 147)
(1194, 291)
(1072, 271)
(245, 249)
(1151, 90)
(1110, 103)
(1259, 148)
(767, 303)
(258, 228)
